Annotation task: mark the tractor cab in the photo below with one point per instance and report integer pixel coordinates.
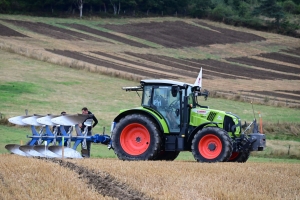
(167, 98)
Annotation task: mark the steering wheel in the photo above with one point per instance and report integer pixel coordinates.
(173, 106)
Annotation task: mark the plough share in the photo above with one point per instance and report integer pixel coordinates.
(48, 143)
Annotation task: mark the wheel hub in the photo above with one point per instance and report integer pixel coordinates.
(138, 139)
(212, 146)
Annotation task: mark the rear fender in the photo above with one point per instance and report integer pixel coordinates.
(155, 116)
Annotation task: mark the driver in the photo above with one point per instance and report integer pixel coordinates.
(158, 99)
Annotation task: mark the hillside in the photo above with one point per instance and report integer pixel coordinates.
(246, 64)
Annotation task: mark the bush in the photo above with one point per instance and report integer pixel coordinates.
(289, 6)
(221, 12)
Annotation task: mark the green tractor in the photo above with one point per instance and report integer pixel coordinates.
(170, 120)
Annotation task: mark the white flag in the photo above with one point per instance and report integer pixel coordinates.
(198, 81)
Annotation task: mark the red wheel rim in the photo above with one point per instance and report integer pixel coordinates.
(135, 139)
(234, 155)
(210, 146)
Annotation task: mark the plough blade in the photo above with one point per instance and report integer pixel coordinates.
(32, 120)
(68, 152)
(29, 150)
(47, 120)
(14, 148)
(70, 120)
(44, 150)
(18, 120)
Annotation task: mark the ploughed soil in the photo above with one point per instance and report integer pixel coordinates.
(276, 94)
(267, 65)
(181, 64)
(288, 91)
(295, 51)
(53, 31)
(104, 183)
(5, 31)
(174, 70)
(281, 57)
(215, 68)
(179, 34)
(106, 35)
(101, 62)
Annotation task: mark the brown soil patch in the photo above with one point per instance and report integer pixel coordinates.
(5, 31)
(288, 91)
(295, 51)
(281, 57)
(106, 35)
(267, 65)
(276, 94)
(244, 71)
(100, 62)
(53, 31)
(214, 68)
(180, 64)
(179, 34)
(182, 72)
(104, 183)
(234, 36)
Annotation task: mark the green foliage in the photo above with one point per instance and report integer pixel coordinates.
(221, 12)
(243, 9)
(289, 6)
(270, 8)
(201, 8)
(297, 9)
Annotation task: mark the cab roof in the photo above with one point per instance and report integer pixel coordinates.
(163, 81)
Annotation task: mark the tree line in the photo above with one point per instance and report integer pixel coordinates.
(278, 15)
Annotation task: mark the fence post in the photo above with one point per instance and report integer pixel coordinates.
(289, 150)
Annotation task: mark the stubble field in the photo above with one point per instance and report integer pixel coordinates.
(110, 178)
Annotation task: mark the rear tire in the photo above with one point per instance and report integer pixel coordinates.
(211, 144)
(136, 137)
(240, 157)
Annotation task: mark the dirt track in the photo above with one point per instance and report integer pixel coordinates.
(104, 183)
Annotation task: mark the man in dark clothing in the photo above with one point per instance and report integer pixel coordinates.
(87, 152)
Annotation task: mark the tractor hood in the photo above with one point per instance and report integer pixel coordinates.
(226, 120)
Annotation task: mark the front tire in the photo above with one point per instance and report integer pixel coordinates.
(211, 144)
(240, 157)
(136, 137)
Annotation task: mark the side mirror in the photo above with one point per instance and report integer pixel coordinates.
(175, 90)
